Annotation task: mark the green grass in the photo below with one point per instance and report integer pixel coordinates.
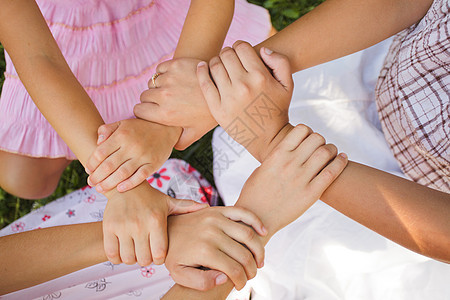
(199, 155)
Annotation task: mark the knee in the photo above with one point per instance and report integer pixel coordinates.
(36, 189)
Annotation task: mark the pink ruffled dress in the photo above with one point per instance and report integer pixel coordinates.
(113, 48)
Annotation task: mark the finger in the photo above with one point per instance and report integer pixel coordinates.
(142, 173)
(208, 88)
(219, 75)
(280, 66)
(164, 66)
(97, 161)
(149, 96)
(232, 64)
(243, 215)
(111, 245)
(143, 251)
(151, 112)
(220, 261)
(107, 167)
(197, 279)
(105, 131)
(178, 206)
(158, 238)
(116, 177)
(308, 147)
(248, 237)
(248, 56)
(127, 252)
(157, 82)
(294, 138)
(327, 176)
(319, 159)
(240, 254)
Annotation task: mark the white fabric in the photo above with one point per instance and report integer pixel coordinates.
(325, 255)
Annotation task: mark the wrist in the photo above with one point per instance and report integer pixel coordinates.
(263, 148)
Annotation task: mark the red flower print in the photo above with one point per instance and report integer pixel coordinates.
(70, 213)
(45, 218)
(90, 199)
(158, 177)
(206, 192)
(18, 227)
(188, 168)
(147, 271)
(86, 187)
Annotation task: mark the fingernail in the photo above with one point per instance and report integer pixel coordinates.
(99, 189)
(264, 230)
(87, 171)
(89, 181)
(100, 139)
(221, 279)
(201, 64)
(343, 155)
(268, 51)
(261, 264)
(122, 187)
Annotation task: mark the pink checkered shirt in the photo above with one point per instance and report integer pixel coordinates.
(413, 94)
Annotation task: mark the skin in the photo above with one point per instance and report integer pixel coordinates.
(67, 107)
(81, 245)
(392, 206)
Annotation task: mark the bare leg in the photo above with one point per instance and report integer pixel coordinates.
(29, 177)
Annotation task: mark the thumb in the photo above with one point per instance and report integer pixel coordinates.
(179, 206)
(280, 66)
(198, 279)
(105, 131)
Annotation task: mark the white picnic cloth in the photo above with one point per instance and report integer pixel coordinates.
(324, 254)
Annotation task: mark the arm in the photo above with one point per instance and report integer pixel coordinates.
(63, 101)
(48, 253)
(340, 27)
(409, 214)
(202, 37)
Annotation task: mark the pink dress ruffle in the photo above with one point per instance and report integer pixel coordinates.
(113, 48)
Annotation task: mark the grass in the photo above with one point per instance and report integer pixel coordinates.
(199, 155)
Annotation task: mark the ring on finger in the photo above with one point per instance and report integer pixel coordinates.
(156, 75)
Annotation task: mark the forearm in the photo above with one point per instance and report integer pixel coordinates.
(340, 27)
(405, 212)
(47, 77)
(205, 29)
(48, 253)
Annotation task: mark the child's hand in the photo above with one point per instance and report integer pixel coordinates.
(214, 238)
(246, 100)
(293, 177)
(177, 101)
(128, 152)
(135, 224)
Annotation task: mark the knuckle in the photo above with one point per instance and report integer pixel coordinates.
(324, 152)
(328, 175)
(226, 52)
(203, 285)
(123, 172)
(304, 128)
(249, 234)
(237, 272)
(259, 78)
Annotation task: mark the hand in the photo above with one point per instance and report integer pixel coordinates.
(247, 101)
(292, 177)
(135, 224)
(128, 152)
(177, 101)
(208, 245)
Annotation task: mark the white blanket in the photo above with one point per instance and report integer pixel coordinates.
(325, 255)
